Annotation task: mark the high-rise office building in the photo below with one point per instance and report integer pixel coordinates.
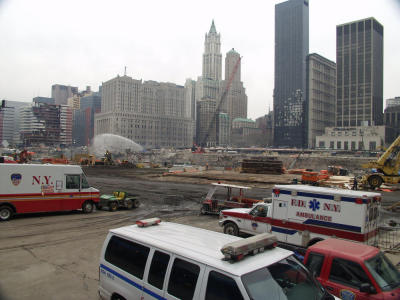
(321, 96)
(235, 101)
(291, 50)
(359, 58)
(61, 93)
(10, 122)
(150, 113)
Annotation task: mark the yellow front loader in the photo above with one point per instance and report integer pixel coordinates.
(387, 167)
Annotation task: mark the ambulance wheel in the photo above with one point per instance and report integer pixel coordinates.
(6, 213)
(313, 241)
(87, 207)
(375, 181)
(231, 229)
(128, 204)
(136, 203)
(112, 206)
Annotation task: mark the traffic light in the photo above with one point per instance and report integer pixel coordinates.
(3, 103)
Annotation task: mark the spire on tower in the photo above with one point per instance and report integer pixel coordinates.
(212, 29)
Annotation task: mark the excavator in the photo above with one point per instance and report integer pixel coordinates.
(387, 167)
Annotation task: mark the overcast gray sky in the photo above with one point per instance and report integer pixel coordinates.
(86, 42)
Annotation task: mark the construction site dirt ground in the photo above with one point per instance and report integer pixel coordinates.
(56, 255)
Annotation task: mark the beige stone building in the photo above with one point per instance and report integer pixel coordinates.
(321, 93)
(360, 138)
(150, 113)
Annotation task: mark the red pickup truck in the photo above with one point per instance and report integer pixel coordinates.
(353, 271)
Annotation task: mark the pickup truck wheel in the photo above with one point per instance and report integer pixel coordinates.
(375, 181)
(136, 203)
(5, 213)
(128, 204)
(204, 209)
(87, 207)
(112, 206)
(231, 229)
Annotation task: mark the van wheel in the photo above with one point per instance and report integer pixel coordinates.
(128, 204)
(117, 297)
(231, 229)
(6, 213)
(87, 207)
(112, 206)
(136, 203)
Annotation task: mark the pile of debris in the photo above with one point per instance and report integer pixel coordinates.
(262, 165)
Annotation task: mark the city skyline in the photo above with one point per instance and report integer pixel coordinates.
(89, 42)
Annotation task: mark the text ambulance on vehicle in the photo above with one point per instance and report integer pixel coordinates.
(302, 215)
(30, 188)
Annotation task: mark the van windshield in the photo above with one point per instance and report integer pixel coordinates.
(284, 280)
(384, 272)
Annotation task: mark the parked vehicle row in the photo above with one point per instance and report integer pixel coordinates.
(33, 188)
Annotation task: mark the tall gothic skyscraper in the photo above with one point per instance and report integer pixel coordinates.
(291, 50)
(212, 57)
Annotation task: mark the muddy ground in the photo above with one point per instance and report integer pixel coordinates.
(55, 255)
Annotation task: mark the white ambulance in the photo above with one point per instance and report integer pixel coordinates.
(30, 188)
(162, 260)
(303, 215)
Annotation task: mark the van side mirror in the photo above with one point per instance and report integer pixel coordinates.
(367, 288)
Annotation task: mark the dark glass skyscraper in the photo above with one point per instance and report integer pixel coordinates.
(359, 58)
(291, 50)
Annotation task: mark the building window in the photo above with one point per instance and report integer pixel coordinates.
(332, 145)
(339, 145)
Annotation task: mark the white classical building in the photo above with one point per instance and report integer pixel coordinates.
(352, 138)
(150, 113)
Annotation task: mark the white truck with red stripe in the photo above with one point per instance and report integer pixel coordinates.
(31, 188)
(302, 215)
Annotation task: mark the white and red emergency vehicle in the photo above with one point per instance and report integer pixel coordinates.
(30, 188)
(302, 215)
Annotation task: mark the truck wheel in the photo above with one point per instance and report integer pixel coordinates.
(204, 209)
(128, 204)
(87, 207)
(313, 241)
(375, 181)
(136, 203)
(6, 213)
(112, 206)
(231, 229)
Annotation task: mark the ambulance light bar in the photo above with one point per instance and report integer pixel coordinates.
(237, 250)
(148, 222)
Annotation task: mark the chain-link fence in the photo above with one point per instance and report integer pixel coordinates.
(389, 230)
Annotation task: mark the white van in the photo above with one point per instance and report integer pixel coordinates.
(161, 260)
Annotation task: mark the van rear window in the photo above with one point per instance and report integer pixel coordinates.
(128, 256)
(183, 279)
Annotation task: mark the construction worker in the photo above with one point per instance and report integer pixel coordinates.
(355, 183)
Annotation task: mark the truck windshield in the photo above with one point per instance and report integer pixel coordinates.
(284, 280)
(85, 184)
(384, 272)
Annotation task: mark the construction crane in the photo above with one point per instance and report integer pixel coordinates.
(387, 167)
(214, 120)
